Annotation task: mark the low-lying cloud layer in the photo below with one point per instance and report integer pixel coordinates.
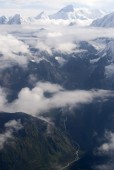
(12, 51)
(46, 96)
(19, 45)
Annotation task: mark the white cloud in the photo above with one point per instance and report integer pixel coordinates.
(33, 101)
(109, 145)
(9, 44)
(12, 50)
(10, 127)
(54, 34)
(66, 47)
(69, 40)
(107, 149)
(13, 124)
(15, 45)
(43, 47)
(65, 38)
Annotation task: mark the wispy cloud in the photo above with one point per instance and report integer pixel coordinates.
(10, 127)
(106, 149)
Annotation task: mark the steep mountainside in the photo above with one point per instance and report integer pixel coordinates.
(42, 145)
(17, 19)
(106, 21)
(32, 144)
(69, 12)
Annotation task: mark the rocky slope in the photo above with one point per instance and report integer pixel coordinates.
(30, 143)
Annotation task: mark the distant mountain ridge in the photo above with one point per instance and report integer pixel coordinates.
(67, 13)
(71, 13)
(17, 19)
(106, 21)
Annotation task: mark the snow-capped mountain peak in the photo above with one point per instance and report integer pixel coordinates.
(64, 13)
(16, 19)
(79, 16)
(3, 20)
(42, 15)
(106, 21)
(71, 13)
(68, 8)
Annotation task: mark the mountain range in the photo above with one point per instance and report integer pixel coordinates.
(67, 13)
(75, 16)
(37, 147)
(57, 92)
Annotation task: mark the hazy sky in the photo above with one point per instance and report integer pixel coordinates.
(34, 7)
(51, 5)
